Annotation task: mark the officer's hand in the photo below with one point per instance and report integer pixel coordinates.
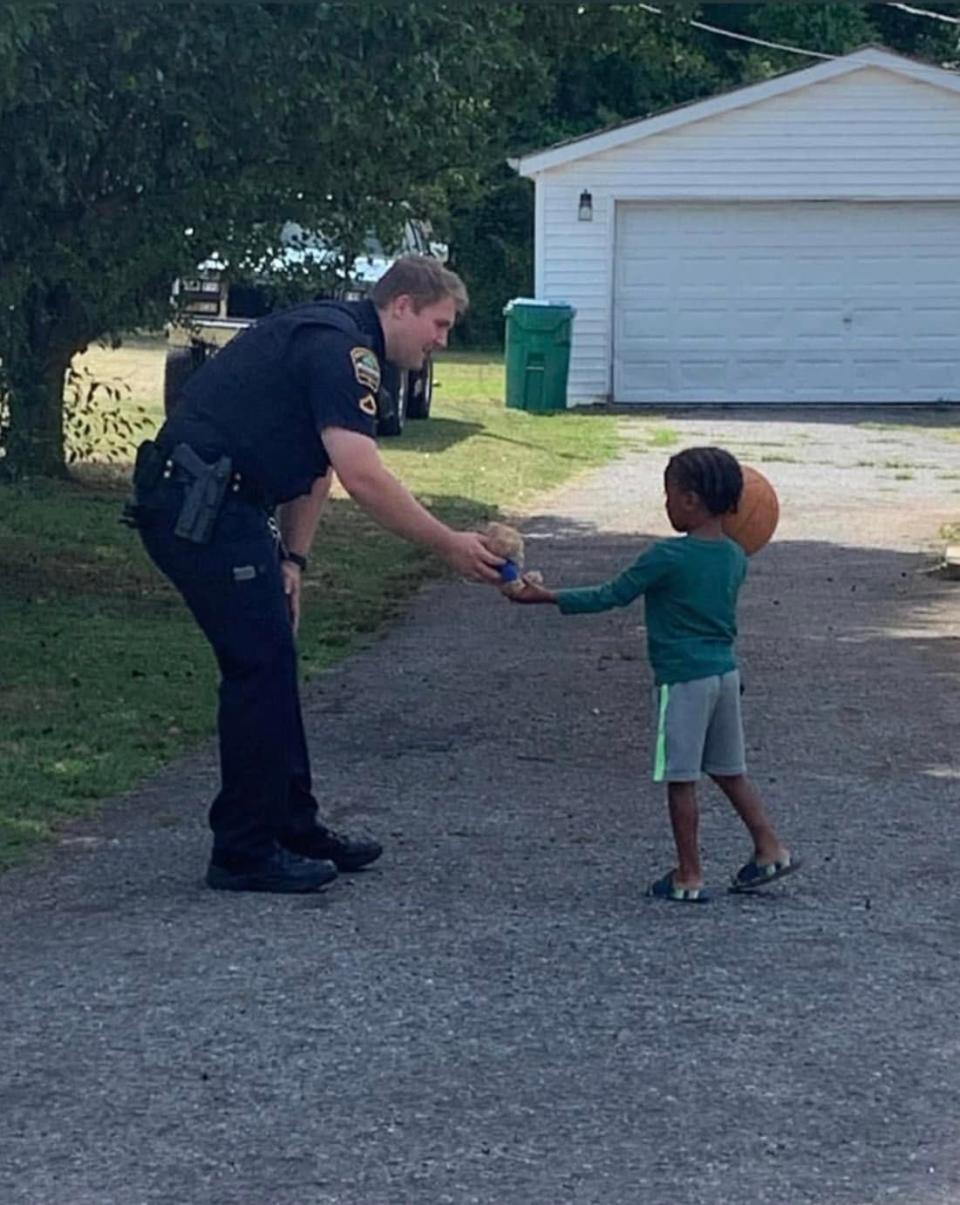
(470, 557)
(291, 587)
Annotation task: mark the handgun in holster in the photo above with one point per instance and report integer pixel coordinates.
(204, 493)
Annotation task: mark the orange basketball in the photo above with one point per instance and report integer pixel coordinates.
(755, 519)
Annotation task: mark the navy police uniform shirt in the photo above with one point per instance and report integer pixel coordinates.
(264, 398)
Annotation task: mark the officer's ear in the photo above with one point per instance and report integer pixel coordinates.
(402, 305)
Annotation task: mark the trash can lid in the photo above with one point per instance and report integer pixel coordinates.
(539, 301)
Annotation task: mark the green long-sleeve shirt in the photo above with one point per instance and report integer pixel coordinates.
(690, 587)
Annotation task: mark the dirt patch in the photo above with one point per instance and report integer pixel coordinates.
(846, 477)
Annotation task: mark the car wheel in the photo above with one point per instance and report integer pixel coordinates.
(420, 392)
(393, 403)
(181, 364)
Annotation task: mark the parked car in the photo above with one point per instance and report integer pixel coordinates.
(217, 302)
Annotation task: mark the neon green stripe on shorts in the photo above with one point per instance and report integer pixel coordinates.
(660, 757)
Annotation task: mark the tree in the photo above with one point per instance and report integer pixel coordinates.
(138, 139)
(593, 65)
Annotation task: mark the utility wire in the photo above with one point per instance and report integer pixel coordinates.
(740, 37)
(923, 12)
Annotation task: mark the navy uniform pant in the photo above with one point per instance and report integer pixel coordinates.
(234, 588)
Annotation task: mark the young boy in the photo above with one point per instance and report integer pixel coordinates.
(691, 585)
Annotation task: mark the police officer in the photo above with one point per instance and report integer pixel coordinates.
(263, 425)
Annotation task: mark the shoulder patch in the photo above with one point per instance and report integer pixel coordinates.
(368, 405)
(366, 368)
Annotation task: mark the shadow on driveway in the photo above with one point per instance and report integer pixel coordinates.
(496, 1014)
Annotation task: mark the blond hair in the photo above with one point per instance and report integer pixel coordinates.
(424, 279)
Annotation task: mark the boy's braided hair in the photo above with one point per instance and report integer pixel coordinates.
(713, 474)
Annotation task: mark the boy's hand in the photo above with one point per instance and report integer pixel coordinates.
(531, 592)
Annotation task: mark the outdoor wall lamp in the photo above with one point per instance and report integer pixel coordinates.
(585, 210)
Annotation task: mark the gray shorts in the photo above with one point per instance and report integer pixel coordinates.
(699, 729)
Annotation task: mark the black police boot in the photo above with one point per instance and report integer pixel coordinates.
(281, 872)
(346, 853)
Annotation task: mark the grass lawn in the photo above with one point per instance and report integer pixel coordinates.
(104, 676)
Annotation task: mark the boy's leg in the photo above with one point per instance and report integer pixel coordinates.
(746, 800)
(724, 760)
(685, 820)
(683, 713)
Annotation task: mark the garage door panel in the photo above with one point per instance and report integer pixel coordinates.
(703, 374)
(787, 302)
(698, 272)
(816, 274)
(873, 323)
(938, 323)
(656, 380)
(878, 273)
(642, 326)
(822, 325)
(767, 325)
(758, 373)
(644, 272)
(756, 272)
(873, 374)
(940, 271)
(937, 376)
(819, 373)
(697, 326)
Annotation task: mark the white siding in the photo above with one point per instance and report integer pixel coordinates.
(868, 135)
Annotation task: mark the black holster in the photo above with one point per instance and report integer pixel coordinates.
(206, 488)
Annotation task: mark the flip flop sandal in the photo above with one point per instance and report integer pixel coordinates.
(664, 889)
(756, 874)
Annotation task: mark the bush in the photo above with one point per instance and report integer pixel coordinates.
(98, 421)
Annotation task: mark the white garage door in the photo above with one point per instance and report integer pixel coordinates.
(787, 302)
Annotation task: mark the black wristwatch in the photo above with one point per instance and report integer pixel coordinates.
(296, 559)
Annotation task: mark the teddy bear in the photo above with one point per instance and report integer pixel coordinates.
(508, 542)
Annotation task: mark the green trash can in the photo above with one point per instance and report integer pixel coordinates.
(538, 353)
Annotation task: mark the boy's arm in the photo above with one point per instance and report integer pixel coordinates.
(620, 591)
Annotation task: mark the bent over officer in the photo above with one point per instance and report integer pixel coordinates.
(262, 425)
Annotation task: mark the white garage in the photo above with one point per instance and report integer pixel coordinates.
(797, 241)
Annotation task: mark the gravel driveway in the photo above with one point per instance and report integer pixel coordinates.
(496, 1014)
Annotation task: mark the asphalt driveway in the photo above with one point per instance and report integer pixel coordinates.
(496, 1014)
